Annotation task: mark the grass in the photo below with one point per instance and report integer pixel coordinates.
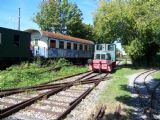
(116, 93)
(157, 59)
(156, 75)
(28, 74)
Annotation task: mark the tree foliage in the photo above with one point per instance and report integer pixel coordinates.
(63, 17)
(86, 32)
(48, 17)
(135, 22)
(57, 16)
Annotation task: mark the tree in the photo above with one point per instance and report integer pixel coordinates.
(58, 16)
(85, 32)
(135, 22)
(48, 16)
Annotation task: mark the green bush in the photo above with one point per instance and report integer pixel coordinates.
(62, 62)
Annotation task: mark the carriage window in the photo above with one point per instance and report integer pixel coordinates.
(0, 38)
(61, 45)
(85, 47)
(52, 44)
(16, 40)
(110, 47)
(98, 56)
(75, 46)
(90, 47)
(102, 56)
(80, 47)
(108, 56)
(99, 47)
(68, 45)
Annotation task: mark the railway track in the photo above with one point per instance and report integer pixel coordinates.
(100, 113)
(47, 101)
(118, 62)
(47, 85)
(148, 95)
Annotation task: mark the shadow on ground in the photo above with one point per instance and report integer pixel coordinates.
(116, 116)
(133, 67)
(135, 102)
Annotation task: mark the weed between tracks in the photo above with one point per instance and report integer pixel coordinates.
(116, 93)
(28, 74)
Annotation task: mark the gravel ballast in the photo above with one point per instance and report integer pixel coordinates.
(81, 112)
(87, 107)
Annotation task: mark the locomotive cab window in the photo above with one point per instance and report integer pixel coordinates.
(61, 45)
(103, 57)
(0, 38)
(98, 56)
(68, 45)
(108, 56)
(110, 47)
(75, 46)
(99, 47)
(16, 40)
(52, 44)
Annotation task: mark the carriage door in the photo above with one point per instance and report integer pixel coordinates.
(36, 47)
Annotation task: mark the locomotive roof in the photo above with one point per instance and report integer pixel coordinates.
(61, 36)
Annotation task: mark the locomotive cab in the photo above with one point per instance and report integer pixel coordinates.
(104, 58)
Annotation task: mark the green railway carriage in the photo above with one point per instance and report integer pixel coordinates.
(14, 44)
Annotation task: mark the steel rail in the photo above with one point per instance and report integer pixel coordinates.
(152, 98)
(50, 86)
(37, 87)
(148, 88)
(149, 91)
(71, 107)
(100, 113)
(136, 88)
(151, 95)
(15, 108)
(118, 62)
(74, 103)
(43, 84)
(66, 77)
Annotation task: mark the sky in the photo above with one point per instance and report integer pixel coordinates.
(9, 12)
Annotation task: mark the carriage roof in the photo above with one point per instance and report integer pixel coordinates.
(60, 36)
